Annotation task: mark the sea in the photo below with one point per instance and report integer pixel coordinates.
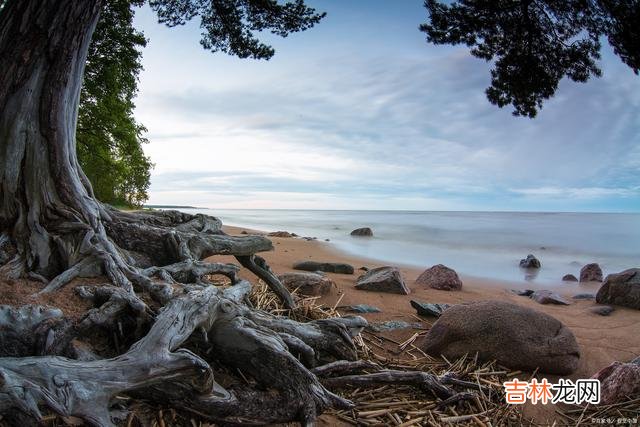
(478, 244)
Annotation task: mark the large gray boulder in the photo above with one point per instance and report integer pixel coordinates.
(383, 279)
(327, 267)
(591, 273)
(310, 284)
(517, 337)
(621, 289)
(440, 277)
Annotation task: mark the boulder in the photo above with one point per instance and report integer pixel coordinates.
(569, 278)
(591, 273)
(584, 296)
(548, 297)
(618, 382)
(517, 337)
(530, 262)
(327, 267)
(440, 277)
(383, 279)
(360, 308)
(281, 234)
(621, 289)
(602, 310)
(362, 232)
(429, 309)
(311, 284)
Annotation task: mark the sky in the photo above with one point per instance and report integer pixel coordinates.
(361, 113)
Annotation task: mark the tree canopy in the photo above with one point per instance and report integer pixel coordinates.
(109, 140)
(533, 44)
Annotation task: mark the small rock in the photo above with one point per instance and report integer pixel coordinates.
(362, 232)
(361, 308)
(327, 240)
(517, 337)
(636, 361)
(602, 310)
(311, 284)
(621, 289)
(328, 267)
(363, 268)
(591, 273)
(530, 262)
(584, 296)
(548, 297)
(309, 239)
(244, 232)
(569, 278)
(440, 277)
(383, 279)
(280, 234)
(618, 381)
(429, 309)
(522, 293)
(391, 325)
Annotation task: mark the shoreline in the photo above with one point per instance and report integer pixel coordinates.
(602, 340)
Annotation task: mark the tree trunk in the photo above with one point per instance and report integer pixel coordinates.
(43, 49)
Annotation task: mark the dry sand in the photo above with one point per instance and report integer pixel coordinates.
(602, 340)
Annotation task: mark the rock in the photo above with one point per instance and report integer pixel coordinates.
(522, 293)
(584, 296)
(621, 289)
(548, 297)
(361, 308)
(517, 337)
(383, 279)
(311, 284)
(328, 267)
(618, 382)
(569, 278)
(280, 234)
(391, 325)
(602, 310)
(327, 240)
(429, 309)
(530, 262)
(636, 361)
(244, 232)
(362, 232)
(363, 268)
(591, 273)
(440, 277)
(310, 239)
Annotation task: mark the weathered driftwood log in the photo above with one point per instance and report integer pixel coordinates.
(236, 336)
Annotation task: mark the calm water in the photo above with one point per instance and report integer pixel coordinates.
(482, 244)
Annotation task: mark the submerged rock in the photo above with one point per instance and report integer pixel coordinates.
(591, 273)
(362, 232)
(621, 289)
(523, 292)
(530, 262)
(327, 267)
(440, 277)
(383, 279)
(429, 309)
(569, 278)
(281, 234)
(517, 337)
(548, 297)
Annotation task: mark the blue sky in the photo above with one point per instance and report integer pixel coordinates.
(361, 113)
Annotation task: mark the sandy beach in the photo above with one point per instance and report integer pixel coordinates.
(602, 340)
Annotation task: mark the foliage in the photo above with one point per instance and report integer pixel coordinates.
(109, 140)
(535, 43)
(229, 25)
